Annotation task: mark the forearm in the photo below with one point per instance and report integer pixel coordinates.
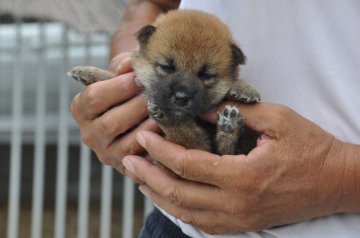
(137, 14)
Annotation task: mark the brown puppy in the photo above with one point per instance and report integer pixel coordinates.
(188, 62)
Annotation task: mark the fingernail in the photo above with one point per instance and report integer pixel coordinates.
(118, 69)
(128, 165)
(137, 82)
(144, 190)
(141, 139)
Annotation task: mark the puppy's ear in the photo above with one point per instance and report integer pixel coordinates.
(238, 56)
(144, 34)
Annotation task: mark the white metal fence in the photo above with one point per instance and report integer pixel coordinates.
(41, 191)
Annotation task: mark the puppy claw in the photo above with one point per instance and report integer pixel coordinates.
(155, 112)
(159, 115)
(152, 107)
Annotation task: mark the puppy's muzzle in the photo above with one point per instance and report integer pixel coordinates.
(181, 98)
(180, 93)
(183, 89)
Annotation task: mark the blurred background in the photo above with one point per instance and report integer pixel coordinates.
(51, 185)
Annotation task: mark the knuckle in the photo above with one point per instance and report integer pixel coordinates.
(246, 185)
(172, 193)
(210, 230)
(92, 97)
(114, 63)
(182, 165)
(105, 159)
(123, 150)
(118, 60)
(129, 148)
(235, 209)
(187, 217)
(242, 211)
(74, 107)
(282, 112)
(280, 120)
(87, 138)
(108, 125)
(252, 224)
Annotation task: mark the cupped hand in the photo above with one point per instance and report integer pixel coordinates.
(110, 113)
(292, 175)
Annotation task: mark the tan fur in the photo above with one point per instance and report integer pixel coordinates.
(191, 38)
(193, 53)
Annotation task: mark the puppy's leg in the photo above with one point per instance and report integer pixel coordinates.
(229, 127)
(186, 132)
(89, 74)
(243, 91)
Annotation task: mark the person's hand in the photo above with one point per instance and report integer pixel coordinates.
(110, 113)
(121, 63)
(293, 174)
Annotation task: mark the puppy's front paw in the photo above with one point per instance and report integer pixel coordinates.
(244, 92)
(230, 120)
(247, 97)
(155, 112)
(89, 74)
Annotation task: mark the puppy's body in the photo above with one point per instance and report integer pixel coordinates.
(188, 63)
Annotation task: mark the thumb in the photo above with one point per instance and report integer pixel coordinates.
(121, 63)
(258, 116)
(268, 119)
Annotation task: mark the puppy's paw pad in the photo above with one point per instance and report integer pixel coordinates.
(230, 119)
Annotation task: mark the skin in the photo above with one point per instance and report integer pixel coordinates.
(298, 171)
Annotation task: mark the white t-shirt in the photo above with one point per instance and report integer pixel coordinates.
(304, 54)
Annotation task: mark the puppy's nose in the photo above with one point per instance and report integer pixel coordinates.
(181, 99)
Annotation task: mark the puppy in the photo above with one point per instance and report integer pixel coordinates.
(188, 62)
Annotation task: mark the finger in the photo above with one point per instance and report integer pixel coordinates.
(209, 221)
(121, 63)
(133, 178)
(272, 120)
(181, 193)
(125, 145)
(119, 120)
(128, 145)
(193, 165)
(75, 109)
(99, 97)
(124, 66)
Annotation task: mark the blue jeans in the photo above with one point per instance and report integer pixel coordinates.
(159, 226)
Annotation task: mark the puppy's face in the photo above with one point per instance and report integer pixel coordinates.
(187, 62)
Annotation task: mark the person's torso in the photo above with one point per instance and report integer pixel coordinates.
(306, 55)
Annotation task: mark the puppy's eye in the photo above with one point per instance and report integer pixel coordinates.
(167, 68)
(205, 73)
(206, 76)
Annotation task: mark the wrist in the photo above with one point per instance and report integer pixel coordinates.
(345, 161)
(137, 15)
(351, 182)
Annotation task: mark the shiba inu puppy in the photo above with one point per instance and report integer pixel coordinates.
(188, 62)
